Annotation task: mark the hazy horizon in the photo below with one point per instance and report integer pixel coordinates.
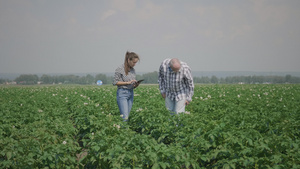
(39, 36)
(219, 74)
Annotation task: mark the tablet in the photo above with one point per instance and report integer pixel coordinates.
(140, 81)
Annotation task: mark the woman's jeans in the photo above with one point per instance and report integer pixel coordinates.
(125, 101)
(175, 106)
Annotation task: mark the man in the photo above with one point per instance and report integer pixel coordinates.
(175, 84)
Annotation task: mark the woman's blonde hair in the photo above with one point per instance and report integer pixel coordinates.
(129, 56)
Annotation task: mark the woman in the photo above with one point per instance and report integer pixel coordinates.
(126, 82)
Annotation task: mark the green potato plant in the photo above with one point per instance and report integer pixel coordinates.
(75, 126)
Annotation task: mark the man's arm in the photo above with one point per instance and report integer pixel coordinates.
(189, 84)
(161, 80)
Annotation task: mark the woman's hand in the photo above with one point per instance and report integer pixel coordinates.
(136, 84)
(132, 82)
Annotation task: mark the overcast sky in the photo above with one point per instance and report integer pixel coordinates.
(75, 36)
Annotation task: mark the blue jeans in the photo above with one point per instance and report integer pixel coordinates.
(174, 106)
(125, 101)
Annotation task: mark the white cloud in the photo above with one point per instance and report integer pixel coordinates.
(149, 11)
(72, 20)
(235, 31)
(108, 14)
(170, 38)
(268, 13)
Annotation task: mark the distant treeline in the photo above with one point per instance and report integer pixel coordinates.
(248, 79)
(149, 78)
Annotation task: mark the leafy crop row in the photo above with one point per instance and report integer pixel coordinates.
(225, 126)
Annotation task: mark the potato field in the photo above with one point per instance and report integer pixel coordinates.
(78, 126)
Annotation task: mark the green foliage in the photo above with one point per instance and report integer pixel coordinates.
(225, 126)
(27, 79)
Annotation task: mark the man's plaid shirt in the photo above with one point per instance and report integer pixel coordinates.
(176, 85)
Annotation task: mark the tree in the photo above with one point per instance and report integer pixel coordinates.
(288, 78)
(89, 79)
(27, 79)
(203, 79)
(151, 77)
(46, 79)
(214, 79)
(3, 81)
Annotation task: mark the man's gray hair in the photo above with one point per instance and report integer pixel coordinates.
(175, 62)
